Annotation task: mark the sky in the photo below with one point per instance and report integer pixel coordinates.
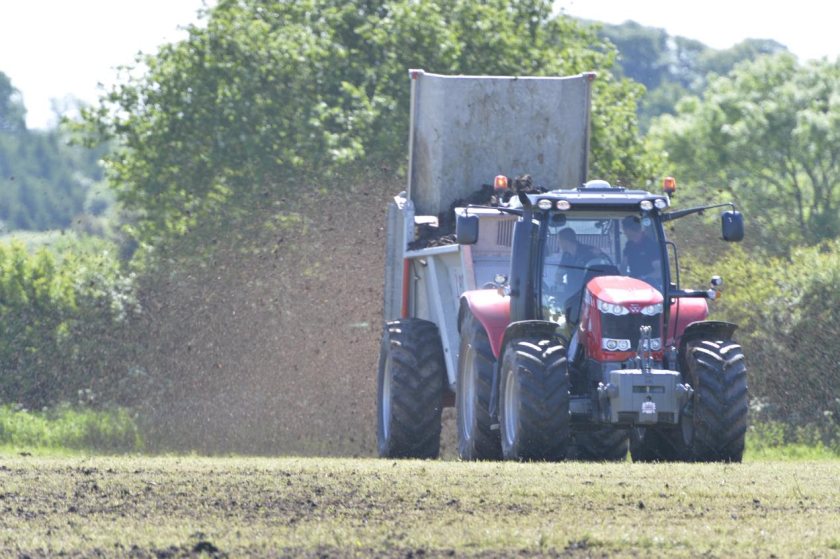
(52, 49)
(808, 28)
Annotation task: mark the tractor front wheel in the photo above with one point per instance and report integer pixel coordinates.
(718, 420)
(534, 400)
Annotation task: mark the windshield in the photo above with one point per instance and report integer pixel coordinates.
(581, 246)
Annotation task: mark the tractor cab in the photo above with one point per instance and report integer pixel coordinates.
(581, 246)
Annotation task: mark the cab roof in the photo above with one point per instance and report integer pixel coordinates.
(598, 193)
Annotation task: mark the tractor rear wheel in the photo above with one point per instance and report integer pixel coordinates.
(534, 400)
(649, 444)
(410, 390)
(606, 444)
(476, 438)
(719, 411)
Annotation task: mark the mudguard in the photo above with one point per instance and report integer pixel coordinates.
(684, 312)
(533, 329)
(708, 329)
(492, 310)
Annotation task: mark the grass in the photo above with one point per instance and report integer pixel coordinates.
(154, 506)
(791, 451)
(65, 429)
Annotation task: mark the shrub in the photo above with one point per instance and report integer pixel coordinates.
(788, 310)
(64, 314)
(64, 427)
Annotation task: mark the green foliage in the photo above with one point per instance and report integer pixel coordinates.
(68, 428)
(63, 316)
(43, 180)
(788, 310)
(767, 135)
(12, 111)
(673, 67)
(644, 53)
(266, 91)
(778, 440)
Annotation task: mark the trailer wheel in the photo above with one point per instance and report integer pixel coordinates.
(719, 410)
(476, 439)
(534, 401)
(410, 390)
(606, 444)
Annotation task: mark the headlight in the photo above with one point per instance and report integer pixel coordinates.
(652, 310)
(646, 205)
(655, 344)
(610, 344)
(612, 308)
(545, 204)
(563, 205)
(660, 203)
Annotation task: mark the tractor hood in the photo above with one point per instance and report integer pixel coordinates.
(625, 291)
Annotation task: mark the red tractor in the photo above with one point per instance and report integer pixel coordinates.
(592, 342)
(556, 325)
(585, 347)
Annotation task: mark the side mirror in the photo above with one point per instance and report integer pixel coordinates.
(732, 226)
(466, 229)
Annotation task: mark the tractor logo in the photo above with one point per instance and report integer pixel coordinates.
(635, 309)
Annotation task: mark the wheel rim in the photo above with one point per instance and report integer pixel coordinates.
(467, 413)
(511, 408)
(386, 399)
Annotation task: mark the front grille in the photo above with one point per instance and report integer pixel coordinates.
(627, 327)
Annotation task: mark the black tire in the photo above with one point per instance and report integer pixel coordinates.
(534, 401)
(721, 401)
(657, 445)
(410, 390)
(607, 444)
(476, 364)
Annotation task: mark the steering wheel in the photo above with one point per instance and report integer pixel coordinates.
(601, 265)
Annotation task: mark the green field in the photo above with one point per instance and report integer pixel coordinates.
(176, 506)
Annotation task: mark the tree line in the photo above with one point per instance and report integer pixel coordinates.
(46, 182)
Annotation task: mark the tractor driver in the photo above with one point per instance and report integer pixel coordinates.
(575, 257)
(641, 252)
(575, 254)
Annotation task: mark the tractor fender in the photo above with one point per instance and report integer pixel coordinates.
(685, 311)
(709, 329)
(543, 329)
(491, 309)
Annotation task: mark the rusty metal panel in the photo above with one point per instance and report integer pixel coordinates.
(467, 129)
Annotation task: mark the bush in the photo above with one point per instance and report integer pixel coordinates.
(64, 314)
(67, 428)
(788, 310)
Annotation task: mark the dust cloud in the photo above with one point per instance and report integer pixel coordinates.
(269, 345)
